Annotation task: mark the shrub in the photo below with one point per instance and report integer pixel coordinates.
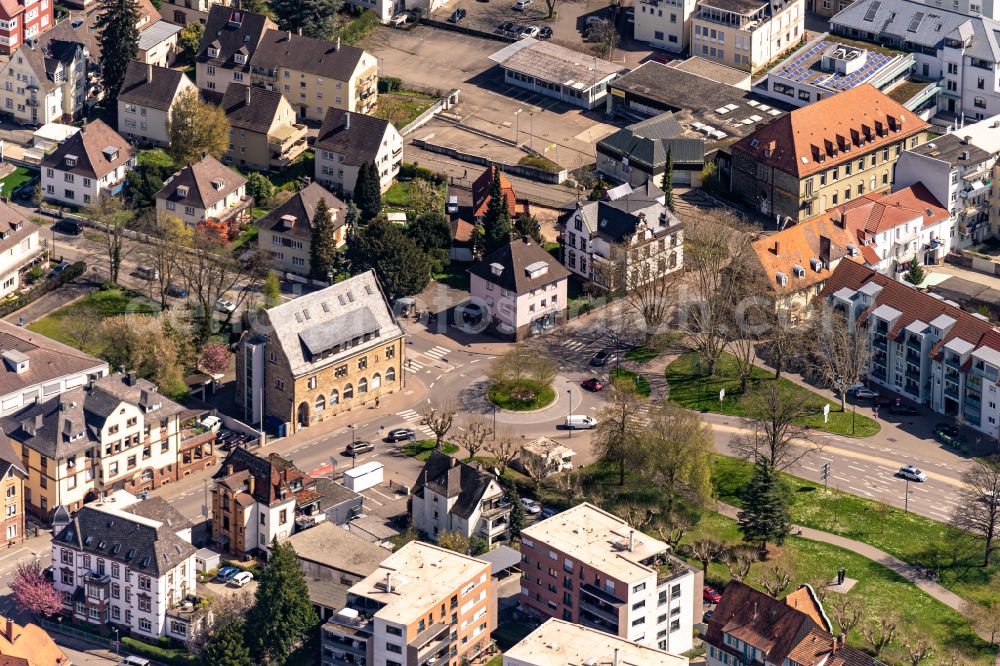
(388, 84)
(359, 28)
(165, 655)
(541, 163)
(410, 171)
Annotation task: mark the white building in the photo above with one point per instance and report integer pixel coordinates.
(347, 140)
(591, 568)
(19, 247)
(45, 83)
(664, 24)
(145, 100)
(126, 563)
(90, 163)
(561, 642)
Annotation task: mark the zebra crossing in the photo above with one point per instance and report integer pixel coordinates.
(573, 345)
(410, 416)
(437, 353)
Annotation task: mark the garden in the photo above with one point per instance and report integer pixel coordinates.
(522, 381)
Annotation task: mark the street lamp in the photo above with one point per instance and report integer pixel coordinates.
(494, 422)
(354, 451)
(517, 127)
(569, 411)
(117, 658)
(906, 498)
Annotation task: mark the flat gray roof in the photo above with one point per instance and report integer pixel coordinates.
(501, 558)
(555, 64)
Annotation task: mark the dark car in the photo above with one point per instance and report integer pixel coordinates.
(885, 401)
(899, 409)
(707, 616)
(63, 265)
(601, 358)
(457, 15)
(593, 384)
(400, 435)
(177, 291)
(545, 33)
(71, 227)
(506, 26)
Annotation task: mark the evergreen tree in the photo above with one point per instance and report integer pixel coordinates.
(527, 225)
(402, 267)
(915, 273)
(496, 221)
(314, 17)
(431, 231)
(667, 184)
(323, 245)
(282, 613)
(227, 646)
(478, 241)
(260, 188)
(516, 520)
(271, 290)
(367, 193)
(118, 36)
(765, 517)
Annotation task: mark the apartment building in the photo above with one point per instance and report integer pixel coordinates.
(636, 235)
(206, 191)
(319, 355)
(827, 8)
(560, 642)
(146, 98)
(45, 82)
(923, 347)
(952, 48)
(12, 477)
(91, 163)
(116, 433)
(664, 24)
(423, 604)
(263, 134)
(231, 38)
(21, 20)
(347, 141)
(450, 495)
(823, 154)
(286, 232)
(39, 368)
(521, 288)
(316, 74)
(20, 247)
(587, 566)
(125, 563)
(746, 34)
(957, 169)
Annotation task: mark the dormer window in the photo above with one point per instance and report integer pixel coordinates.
(71, 160)
(218, 184)
(182, 190)
(110, 153)
(213, 52)
(496, 268)
(240, 59)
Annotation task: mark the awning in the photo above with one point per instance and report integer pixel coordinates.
(501, 558)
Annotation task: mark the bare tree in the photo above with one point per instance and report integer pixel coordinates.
(504, 449)
(848, 610)
(225, 608)
(536, 468)
(749, 321)
(649, 292)
(738, 560)
(167, 240)
(616, 437)
(551, 6)
(84, 328)
(785, 340)
(571, 485)
(706, 551)
(440, 416)
(880, 632)
(473, 433)
(820, 590)
(671, 527)
(775, 434)
(918, 648)
(636, 515)
(677, 450)
(979, 510)
(114, 221)
(776, 575)
(522, 363)
(985, 620)
(605, 38)
(842, 349)
(882, 512)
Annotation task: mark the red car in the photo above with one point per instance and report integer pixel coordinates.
(710, 595)
(593, 384)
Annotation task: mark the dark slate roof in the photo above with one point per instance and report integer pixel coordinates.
(157, 508)
(8, 457)
(448, 477)
(647, 143)
(319, 57)
(142, 547)
(302, 207)
(274, 476)
(88, 146)
(358, 142)
(150, 86)
(231, 30)
(249, 107)
(515, 258)
(200, 179)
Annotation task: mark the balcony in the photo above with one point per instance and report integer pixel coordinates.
(912, 357)
(495, 508)
(912, 374)
(491, 529)
(878, 372)
(880, 342)
(97, 586)
(952, 362)
(430, 645)
(973, 401)
(599, 611)
(951, 391)
(238, 212)
(913, 343)
(286, 144)
(600, 595)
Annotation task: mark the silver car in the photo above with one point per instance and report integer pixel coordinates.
(911, 473)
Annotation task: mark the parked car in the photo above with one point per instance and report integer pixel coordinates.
(865, 393)
(132, 660)
(548, 512)
(911, 473)
(147, 272)
(63, 265)
(545, 33)
(885, 401)
(593, 384)
(177, 291)
(225, 305)
(595, 20)
(600, 358)
(401, 434)
(452, 206)
(531, 506)
(521, 5)
(580, 422)
(710, 595)
(505, 26)
(661, 58)
(211, 423)
(457, 15)
(225, 573)
(67, 226)
(241, 579)
(357, 447)
(707, 616)
(529, 31)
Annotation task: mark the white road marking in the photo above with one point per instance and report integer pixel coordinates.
(573, 345)
(437, 353)
(381, 494)
(413, 365)
(373, 500)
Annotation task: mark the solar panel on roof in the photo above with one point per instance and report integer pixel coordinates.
(915, 22)
(873, 10)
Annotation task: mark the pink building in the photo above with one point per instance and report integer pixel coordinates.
(520, 288)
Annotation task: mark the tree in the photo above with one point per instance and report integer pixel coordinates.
(189, 38)
(748, 321)
(141, 186)
(915, 273)
(454, 541)
(271, 290)
(472, 434)
(145, 344)
(516, 520)
(431, 231)
(918, 648)
(649, 292)
(774, 412)
(706, 551)
(776, 575)
(496, 221)
(282, 613)
(551, 6)
(477, 545)
(215, 358)
(504, 449)
(604, 36)
(226, 645)
(323, 244)
(260, 188)
(525, 224)
(440, 417)
(848, 610)
(196, 128)
(619, 425)
(230, 608)
(82, 328)
(368, 192)
(315, 18)
(738, 559)
(843, 349)
(522, 364)
(677, 450)
(765, 517)
(33, 593)
(478, 242)
(667, 182)
(402, 267)
(985, 620)
(258, 7)
(117, 27)
(978, 511)
(115, 220)
(536, 468)
(167, 239)
(880, 632)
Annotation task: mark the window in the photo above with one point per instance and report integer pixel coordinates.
(283, 516)
(394, 648)
(145, 625)
(144, 583)
(145, 603)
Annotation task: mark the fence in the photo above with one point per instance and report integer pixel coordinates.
(77, 633)
(69, 274)
(981, 263)
(518, 170)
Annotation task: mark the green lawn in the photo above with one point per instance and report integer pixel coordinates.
(455, 275)
(288, 178)
(421, 449)
(690, 390)
(17, 177)
(246, 237)
(155, 157)
(884, 592)
(96, 306)
(401, 109)
(907, 536)
(495, 661)
(637, 382)
(642, 354)
(523, 396)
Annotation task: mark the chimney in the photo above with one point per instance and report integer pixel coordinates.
(755, 610)
(615, 662)
(251, 484)
(777, 248)
(454, 461)
(300, 32)
(388, 581)
(149, 73)
(336, 44)
(248, 95)
(130, 378)
(39, 419)
(8, 630)
(227, 470)
(289, 35)
(631, 540)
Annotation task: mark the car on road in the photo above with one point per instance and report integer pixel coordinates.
(225, 573)
(593, 384)
(529, 31)
(899, 409)
(359, 446)
(521, 5)
(911, 473)
(506, 26)
(545, 33)
(600, 358)
(241, 579)
(865, 393)
(457, 15)
(710, 595)
(71, 227)
(531, 506)
(177, 291)
(580, 422)
(401, 435)
(225, 305)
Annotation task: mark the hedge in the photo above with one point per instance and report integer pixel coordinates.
(408, 171)
(70, 273)
(388, 84)
(166, 655)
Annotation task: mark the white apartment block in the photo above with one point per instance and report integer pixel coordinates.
(19, 247)
(91, 163)
(664, 24)
(746, 34)
(561, 642)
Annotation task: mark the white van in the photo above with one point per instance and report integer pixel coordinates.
(211, 423)
(452, 204)
(132, 660)
(580, 422)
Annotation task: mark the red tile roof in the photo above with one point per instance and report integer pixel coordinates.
(831, 131)
(877, 212)
(482, 187)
